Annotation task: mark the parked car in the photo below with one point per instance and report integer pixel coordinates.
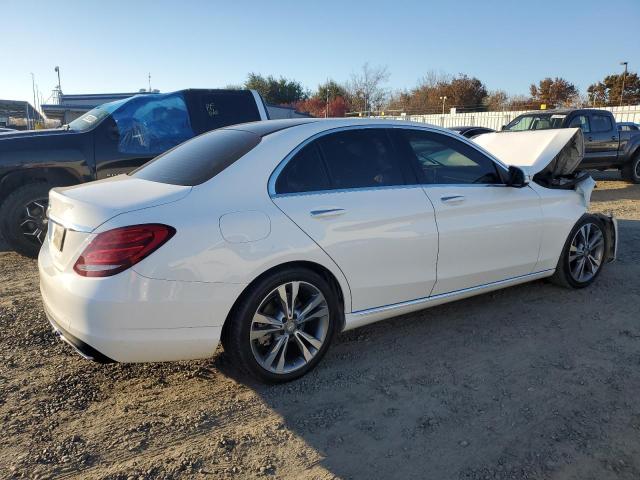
(111, 139)
(273, 236)
(606, 145)
(471, 132)
(628, 127)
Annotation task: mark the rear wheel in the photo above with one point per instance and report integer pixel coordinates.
(631, 171)
(283, 325)
(23, 218)
(583, 254)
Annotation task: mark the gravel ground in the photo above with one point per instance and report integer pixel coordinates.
(529, 382)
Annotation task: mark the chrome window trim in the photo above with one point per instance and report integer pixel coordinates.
(276, 172)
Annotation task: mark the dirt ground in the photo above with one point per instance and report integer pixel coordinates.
(530, 382)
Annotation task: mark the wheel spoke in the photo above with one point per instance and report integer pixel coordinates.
(257, 334)
(313, 303)
(295, 287)
(284, 302)
(312, 340)
(596, 239)
(303, 348)
(266, 319)
(283, 355)
(274, 351)
(321, 312)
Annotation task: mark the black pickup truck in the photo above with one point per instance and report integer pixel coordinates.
(605, 146)
(111, 139)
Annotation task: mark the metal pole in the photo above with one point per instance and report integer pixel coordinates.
(33, 89)
(326, 110)
(57, 69)
(624, 75)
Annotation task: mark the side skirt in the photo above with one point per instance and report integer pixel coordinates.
(365, 317)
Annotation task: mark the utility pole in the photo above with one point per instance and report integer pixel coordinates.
(57, 70)
(624, 76)
(33, 88)
(326, 109)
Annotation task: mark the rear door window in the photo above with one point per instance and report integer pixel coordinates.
(600, 123)
(581, 122)
(361, 158)
(305, 172)
(200, 159)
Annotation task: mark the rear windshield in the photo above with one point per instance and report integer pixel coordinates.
(199, 159)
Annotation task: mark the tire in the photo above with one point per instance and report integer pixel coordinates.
(23, 222)
(631, 171)
(250, 339)
(568, 273)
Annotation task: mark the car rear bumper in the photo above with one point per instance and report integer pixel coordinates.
(131, 318)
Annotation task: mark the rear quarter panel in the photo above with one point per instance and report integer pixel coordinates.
(199, 252)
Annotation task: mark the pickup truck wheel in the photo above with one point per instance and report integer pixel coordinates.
(631, 171)
(23, 218)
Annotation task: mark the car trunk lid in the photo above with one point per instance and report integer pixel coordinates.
(75, 212)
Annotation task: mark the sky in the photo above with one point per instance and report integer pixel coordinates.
(107, 47)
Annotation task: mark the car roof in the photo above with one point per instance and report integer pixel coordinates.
(469, 127)
(267, 127)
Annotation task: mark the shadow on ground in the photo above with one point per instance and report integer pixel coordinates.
(531, 382)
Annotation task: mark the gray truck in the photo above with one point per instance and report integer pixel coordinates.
(606, 146)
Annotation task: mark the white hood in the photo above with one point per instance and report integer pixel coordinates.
(557, 151)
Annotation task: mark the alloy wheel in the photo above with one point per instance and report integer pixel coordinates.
(289, 327)
(586, 252)
(33, 220)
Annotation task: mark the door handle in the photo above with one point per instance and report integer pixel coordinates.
(590, 138)
(452, 199)
(329, 212)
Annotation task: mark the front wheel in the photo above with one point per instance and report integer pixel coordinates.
(23, 218)
(583, 254)
(283, 325)
(631, 171)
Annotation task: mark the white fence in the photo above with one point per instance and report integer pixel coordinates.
(496, 120)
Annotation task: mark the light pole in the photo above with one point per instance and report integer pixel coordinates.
(326, 107)
(33, 89)
(624, 76)
(444, 99)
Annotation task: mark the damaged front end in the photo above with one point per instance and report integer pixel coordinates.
(611, 233)
(551, 158)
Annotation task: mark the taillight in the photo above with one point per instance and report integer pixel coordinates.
(116, 250)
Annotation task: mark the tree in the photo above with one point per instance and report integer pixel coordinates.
(462, 92)
(331, 89)
(496, 101)
(276, 91)
(365, 90)
(318, 107)
(608, 91)
(553, 92)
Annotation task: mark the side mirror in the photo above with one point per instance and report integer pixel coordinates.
(517, 178)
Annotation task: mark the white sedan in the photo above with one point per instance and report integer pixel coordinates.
(273, 236)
